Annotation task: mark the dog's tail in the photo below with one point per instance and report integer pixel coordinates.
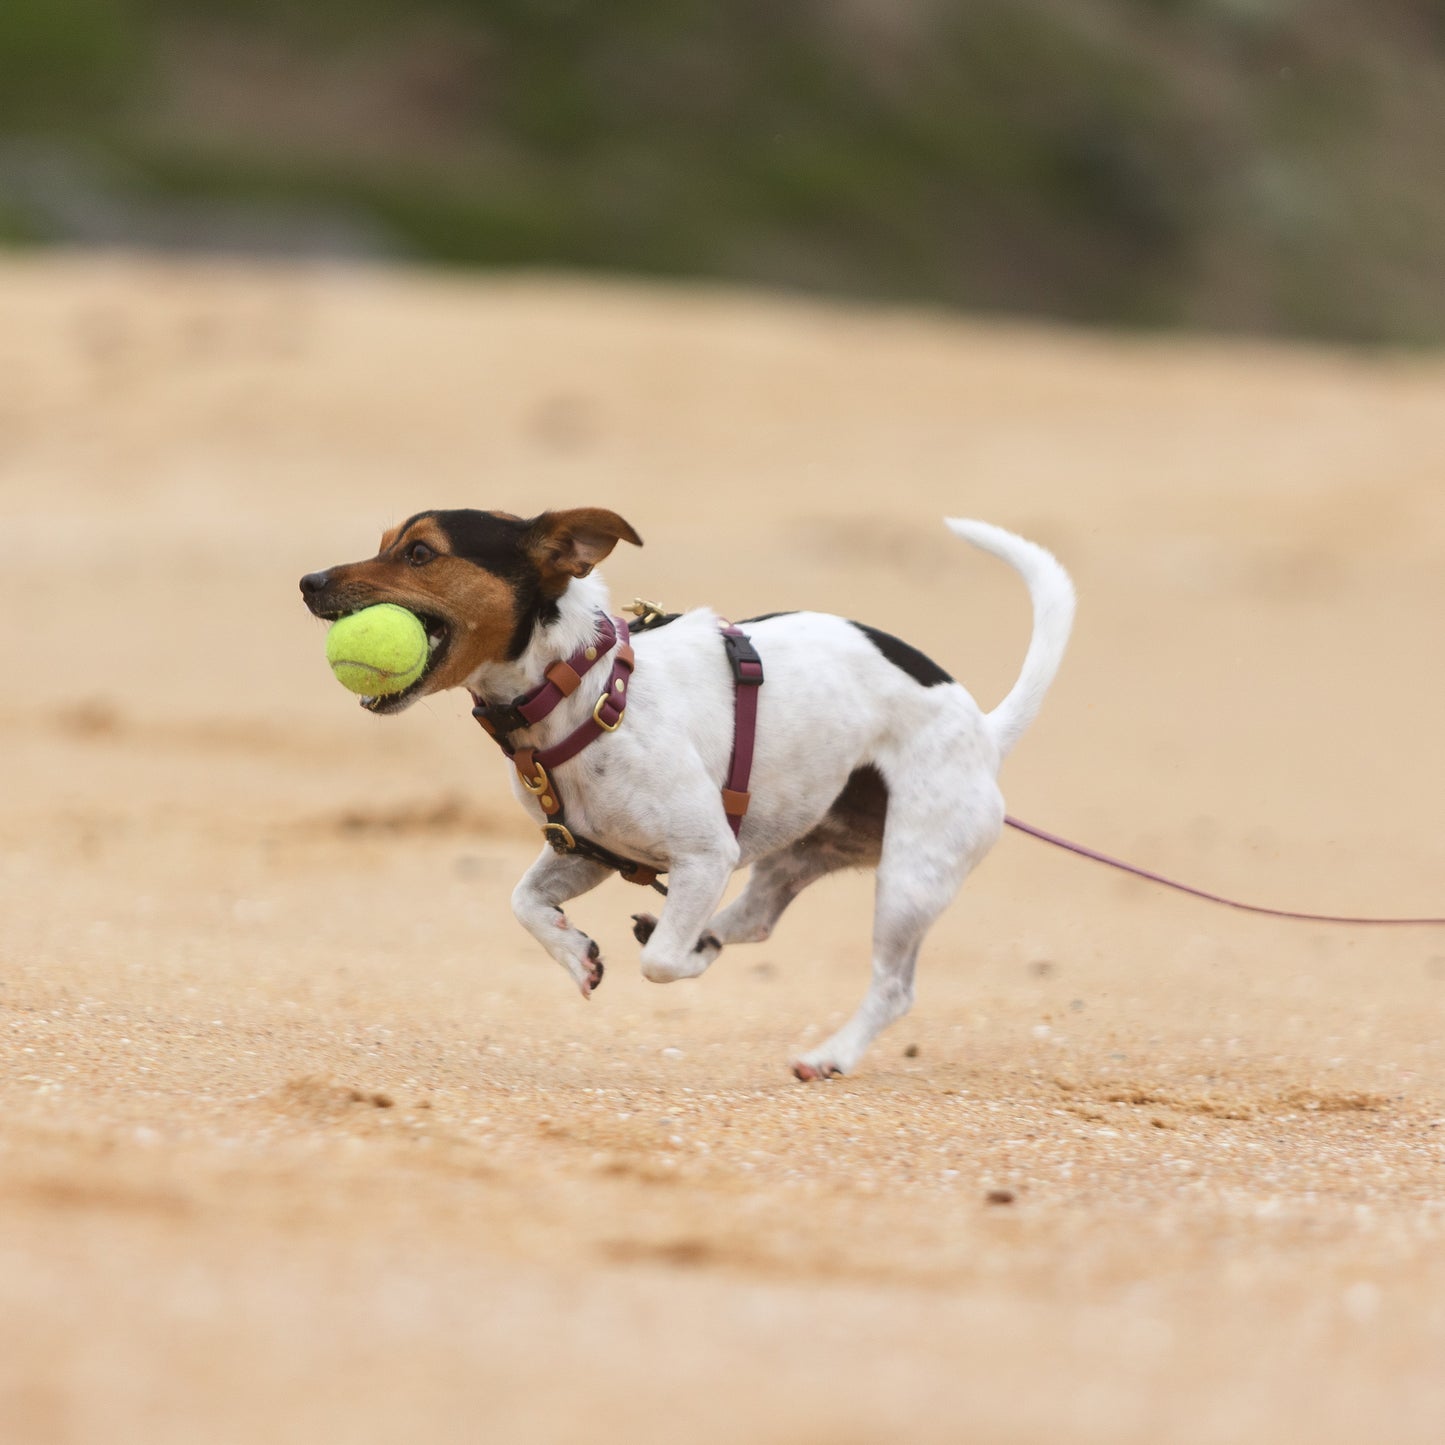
(1053, 597)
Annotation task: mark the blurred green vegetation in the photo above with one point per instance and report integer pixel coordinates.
(1231, 164)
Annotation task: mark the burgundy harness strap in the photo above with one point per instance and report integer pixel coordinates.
(606, 718)
(563, 679)
(560, 681)
(747, 669)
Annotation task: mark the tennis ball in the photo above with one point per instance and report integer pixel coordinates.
(378, 650)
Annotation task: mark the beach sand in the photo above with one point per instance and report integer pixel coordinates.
(302, 1138)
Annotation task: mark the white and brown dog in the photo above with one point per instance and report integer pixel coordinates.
(867, 753)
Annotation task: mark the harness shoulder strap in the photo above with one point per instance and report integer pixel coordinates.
(747, 669)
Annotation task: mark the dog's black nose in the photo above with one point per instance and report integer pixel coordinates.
(314, 582)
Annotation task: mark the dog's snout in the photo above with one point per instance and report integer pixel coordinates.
(314, 582)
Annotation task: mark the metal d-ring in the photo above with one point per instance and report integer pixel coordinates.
(597, 715)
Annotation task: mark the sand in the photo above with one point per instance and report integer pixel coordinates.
(302, 1139)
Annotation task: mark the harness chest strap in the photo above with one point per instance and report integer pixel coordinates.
(533, 765)
(564, 678)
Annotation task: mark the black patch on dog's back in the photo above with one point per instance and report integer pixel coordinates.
(904, 657)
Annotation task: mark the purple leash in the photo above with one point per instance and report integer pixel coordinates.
(1138, 872)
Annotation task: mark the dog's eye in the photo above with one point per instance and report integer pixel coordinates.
(419, 553)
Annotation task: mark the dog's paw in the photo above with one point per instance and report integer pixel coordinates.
(592, 969)
(642, 927)
(808, 1071)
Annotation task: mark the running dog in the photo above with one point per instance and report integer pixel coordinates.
(865, 753)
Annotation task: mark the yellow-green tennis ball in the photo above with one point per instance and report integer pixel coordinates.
(378, 650)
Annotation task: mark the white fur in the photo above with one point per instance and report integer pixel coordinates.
(831, 704)
(1053, 599)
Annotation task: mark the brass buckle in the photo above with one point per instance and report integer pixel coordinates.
(560, 837)
(644, 610)
(540, 785)
(597, 715)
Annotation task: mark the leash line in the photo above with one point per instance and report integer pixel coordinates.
(1045, 836)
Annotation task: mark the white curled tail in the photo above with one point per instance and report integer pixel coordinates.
(1053, 597)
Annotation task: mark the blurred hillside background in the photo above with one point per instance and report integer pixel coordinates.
(1237, 165)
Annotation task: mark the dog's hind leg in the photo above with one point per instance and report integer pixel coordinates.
(935, 834)
(537, 901)
(775, 881)
(773, 884)
(849, 835)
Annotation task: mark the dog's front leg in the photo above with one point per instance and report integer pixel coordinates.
(537, 901)
(678, 947)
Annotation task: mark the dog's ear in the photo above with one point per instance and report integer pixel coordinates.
(571, 543)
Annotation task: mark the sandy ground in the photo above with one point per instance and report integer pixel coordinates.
(301, 1139)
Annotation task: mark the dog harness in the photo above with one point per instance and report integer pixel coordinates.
(534, 766)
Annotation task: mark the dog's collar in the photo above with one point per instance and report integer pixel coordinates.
(560, 681)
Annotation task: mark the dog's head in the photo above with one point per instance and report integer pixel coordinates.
(479, 581)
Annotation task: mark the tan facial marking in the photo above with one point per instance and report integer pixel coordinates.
(424, 529)
(478, 607)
